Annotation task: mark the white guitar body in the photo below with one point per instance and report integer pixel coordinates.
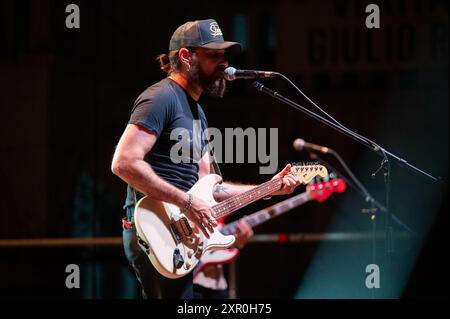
(173, 243)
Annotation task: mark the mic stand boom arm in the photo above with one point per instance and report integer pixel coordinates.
(377, 149)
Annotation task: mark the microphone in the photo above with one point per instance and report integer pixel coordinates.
(300, 144)
(231, 74)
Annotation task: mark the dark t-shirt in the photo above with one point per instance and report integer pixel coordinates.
(167, 110)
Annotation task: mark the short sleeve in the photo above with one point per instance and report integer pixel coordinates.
(152, 111)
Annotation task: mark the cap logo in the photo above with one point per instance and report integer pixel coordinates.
(215, 30)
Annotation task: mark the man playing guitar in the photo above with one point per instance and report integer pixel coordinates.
(194, 65)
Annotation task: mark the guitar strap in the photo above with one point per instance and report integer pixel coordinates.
(215, 167)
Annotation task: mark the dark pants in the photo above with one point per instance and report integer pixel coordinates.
(153, 284)
(205, 293)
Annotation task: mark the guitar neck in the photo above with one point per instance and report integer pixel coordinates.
(236, 202)
(266, 214)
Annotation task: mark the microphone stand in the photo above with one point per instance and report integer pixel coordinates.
(385, 164)
(360, 190)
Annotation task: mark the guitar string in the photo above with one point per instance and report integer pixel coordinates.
(234, 201)
(248, 198)
(223, 206)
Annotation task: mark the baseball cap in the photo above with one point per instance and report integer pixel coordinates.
(204, 34)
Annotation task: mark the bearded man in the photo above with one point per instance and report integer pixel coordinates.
(197, 57)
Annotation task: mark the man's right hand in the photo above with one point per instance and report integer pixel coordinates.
(201, 214)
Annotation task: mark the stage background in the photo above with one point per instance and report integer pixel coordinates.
(66, 95)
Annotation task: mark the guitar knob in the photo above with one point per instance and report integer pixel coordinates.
(189, 253)
(187, 265)
(199, 253)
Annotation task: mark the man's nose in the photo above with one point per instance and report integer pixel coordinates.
(224, 64)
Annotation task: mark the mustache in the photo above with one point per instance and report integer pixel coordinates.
(221, 69)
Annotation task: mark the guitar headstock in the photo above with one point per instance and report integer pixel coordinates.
(322, 190)
(307, 172)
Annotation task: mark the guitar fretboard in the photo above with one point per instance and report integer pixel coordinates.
(234, 203)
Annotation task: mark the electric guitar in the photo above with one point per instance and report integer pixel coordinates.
(174, 244)
(314, 191)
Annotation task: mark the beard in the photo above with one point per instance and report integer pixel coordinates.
(212, 85)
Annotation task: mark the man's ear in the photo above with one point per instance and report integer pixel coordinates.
(185, 56)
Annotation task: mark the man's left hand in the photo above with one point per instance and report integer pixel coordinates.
(290, 181)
